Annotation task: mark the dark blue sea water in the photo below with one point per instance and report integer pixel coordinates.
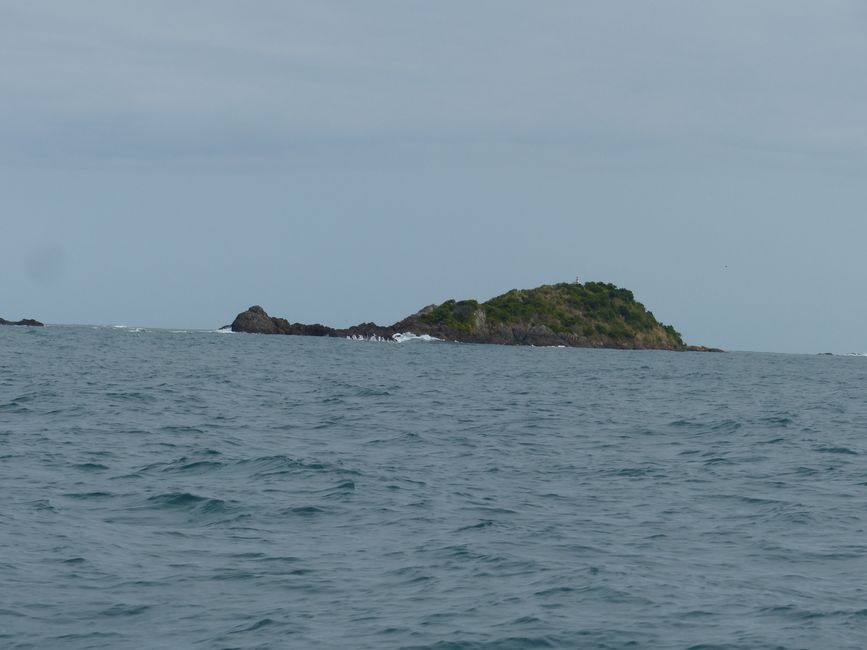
(165, 489)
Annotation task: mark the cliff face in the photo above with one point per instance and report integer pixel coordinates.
(594, 314)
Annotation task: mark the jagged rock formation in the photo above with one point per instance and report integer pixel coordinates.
(594, 314)
(256, 321)
(24, 321)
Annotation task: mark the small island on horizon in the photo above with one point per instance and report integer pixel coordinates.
(29, 322)
(571, 314)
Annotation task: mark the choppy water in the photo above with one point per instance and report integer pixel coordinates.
(197, 490)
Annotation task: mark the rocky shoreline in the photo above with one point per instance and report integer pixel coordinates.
(506, 320)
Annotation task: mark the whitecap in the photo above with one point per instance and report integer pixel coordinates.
(403, 337)
(360, 337)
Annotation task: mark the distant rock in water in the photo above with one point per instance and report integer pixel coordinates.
(25, 321)
(593, 314)
(702, 348)
(255, 321)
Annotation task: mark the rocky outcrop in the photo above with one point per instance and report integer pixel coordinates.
(25, 321)
(256, 321)
(595, 315)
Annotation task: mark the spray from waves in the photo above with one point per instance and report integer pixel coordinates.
(399, 337)
(403, 337)
(374, 337)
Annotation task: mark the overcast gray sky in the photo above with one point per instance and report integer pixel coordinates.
(169, 164)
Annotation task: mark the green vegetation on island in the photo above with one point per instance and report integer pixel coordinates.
(595, 314)
(592, 314)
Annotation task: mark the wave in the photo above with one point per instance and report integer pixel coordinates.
(399, 337)
(403, 337)
(187, 501)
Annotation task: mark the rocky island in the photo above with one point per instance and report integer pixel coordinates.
(590, 315)
(24, 321)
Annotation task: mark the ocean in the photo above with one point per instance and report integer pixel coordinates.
(191, 489)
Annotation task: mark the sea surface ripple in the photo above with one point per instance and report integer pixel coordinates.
(174, 489)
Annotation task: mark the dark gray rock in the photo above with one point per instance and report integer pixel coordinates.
(255, 321)
(25, 321)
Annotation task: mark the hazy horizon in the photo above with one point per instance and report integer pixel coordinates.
(169, 166)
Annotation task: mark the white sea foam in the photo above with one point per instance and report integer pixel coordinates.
(374, 338)
(400, 337)
(403, 337)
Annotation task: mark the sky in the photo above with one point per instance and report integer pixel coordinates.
(170, 164)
